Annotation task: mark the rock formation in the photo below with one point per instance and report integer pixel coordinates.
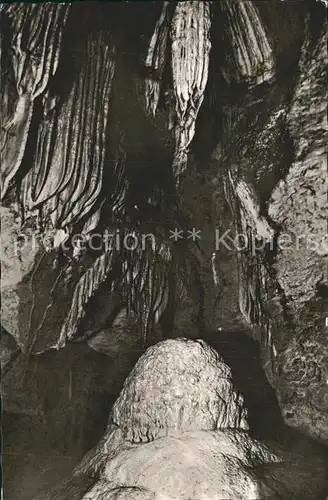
(187, 395)
(133, 138)
(283, 263)
(177, 431)
(36, 36)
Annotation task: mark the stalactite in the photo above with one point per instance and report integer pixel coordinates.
(84, 290)
(247, 49)
(145, 284)
(141, 280)
(252, 229)
(66, 178)
(190, 34)
(250, 211)
(154, 295)
(117, 199)
(156, 59)
(92, 223)
(36, 36)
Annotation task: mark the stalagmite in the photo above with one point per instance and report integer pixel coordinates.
(34, 53)
(212, 404)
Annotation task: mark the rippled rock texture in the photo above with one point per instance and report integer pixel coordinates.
(283, 265)
(36, 36)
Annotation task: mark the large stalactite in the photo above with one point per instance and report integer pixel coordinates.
(157, 58)
(187, 32)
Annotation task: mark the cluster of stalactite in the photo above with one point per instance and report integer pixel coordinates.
(187, 31)
(250, 55)
(140, 277)
(62, 183)
(146, 278)
(65, 180)
(35, 42)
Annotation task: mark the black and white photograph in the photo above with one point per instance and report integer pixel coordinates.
(164, 250)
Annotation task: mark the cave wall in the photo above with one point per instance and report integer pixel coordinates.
(276, 186)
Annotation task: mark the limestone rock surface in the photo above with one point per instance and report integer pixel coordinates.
(276, 187)
(198, 465)
(204, 451)
(177, 386)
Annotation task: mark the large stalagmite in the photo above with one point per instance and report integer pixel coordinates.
(181, 404)
(158, 131)
(178, 431)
